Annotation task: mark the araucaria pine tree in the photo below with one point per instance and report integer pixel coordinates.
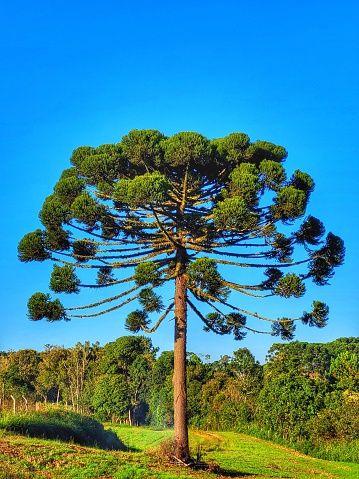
(154, 211)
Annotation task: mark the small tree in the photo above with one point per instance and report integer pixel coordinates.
(177, 209)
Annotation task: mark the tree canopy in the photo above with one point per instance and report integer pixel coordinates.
(182, 209)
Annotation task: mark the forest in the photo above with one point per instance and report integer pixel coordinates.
(304, 394)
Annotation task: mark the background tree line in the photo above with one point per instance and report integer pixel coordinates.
(304, 391)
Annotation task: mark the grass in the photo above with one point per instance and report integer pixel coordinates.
(62, 425)
(239, 456)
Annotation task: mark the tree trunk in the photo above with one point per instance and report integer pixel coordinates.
(179, 375)
(14, 403)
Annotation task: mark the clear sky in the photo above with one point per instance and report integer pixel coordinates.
(87, 72)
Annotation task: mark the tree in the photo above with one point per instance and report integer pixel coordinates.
(121, 389)
(18, 373)
(79, 367)
(52, 374)
(161, 391)
(178, 210)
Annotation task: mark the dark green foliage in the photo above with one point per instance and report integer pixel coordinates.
(264, 150)
(232, 214)
(85, 209)
(273, 275)
(287, 402)
(104, 276)
(310, 396)
(232, 147)
(226, 324)
(318, 317)
(63, 426)
(282, 248)
(187, 149)
(67, 189)
(83, 250)
(203, 276)
(144, 189)
(101, 167)
(150, 301)
(54, 213)
(32, 247)
(147, 273)
(245, 183)
(273, 174)
(173, 206)
(136, 320)
(289, 285)
(122, 389)
(143, 147)
(57, 239)
(310, 231)
(289, 204)
(321, 267)
(80, 154)
(64, 280)
(284, 328)
(40, 306)
(302, 181)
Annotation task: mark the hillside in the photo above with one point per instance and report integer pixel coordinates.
(238, 455)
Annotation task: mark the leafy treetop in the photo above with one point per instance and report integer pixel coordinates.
(181, 206)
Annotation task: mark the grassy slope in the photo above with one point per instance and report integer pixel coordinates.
(239, 456)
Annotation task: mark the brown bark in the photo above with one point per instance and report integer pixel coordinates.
(179, 375)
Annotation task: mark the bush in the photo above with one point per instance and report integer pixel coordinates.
(62, 425)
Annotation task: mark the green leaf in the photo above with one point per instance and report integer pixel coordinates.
(302, 181)
(83, 250)
(86, 210)
(106, 165)
(147, 273)
(80, 154)
(284, 328)
(104, 275)
(142, 190)
(32, 247)
(232, 147)
(318, 316)
(233, 214)
(64, 280)
(333, 251)
(226, 324)
(53, 213)
(264, 150)
(57, 239)
(289, 285)
(40, 306)
(187, 148)
(202, 274)
(245, 183)
(310, 231)
(273, 174)
(143, 147)
(282, 248)
(150, 301)
(67, 189)
(135, 320)
(274, 275)
(289, 204)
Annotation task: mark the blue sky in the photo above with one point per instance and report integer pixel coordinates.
(86, 73)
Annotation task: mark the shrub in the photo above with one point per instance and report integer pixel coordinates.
(61, 425)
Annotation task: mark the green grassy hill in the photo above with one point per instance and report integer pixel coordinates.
(238, 455)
